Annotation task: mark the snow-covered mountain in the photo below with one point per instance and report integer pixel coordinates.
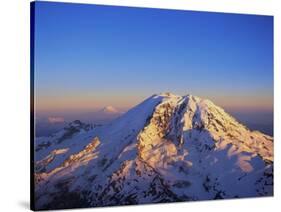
(102, 116)
(168, 148)
(109, 109)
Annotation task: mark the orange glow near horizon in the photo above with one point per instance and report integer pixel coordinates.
(245, 103)
(85, 103)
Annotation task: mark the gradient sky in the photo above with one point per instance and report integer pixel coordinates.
(89, 56)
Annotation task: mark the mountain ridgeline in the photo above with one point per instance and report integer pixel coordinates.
(168, 148)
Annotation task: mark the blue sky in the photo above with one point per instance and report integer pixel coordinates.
(89, 56)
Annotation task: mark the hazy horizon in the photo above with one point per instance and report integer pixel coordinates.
(52, 121)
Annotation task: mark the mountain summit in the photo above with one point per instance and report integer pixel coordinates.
(109, 109)
(168, 148)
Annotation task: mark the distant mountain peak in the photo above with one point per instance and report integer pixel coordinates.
(109, 109)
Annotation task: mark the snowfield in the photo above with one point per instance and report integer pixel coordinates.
(168, 148)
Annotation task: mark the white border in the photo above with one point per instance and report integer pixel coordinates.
(14, 96)
(265, 7)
